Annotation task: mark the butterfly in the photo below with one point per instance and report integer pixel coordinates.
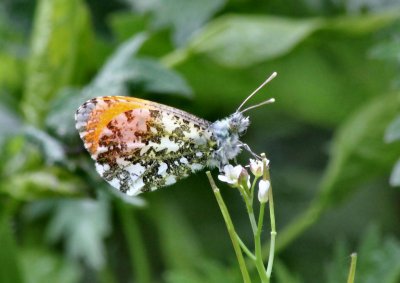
(140, 145)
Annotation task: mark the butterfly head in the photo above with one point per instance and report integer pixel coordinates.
(238, 124)
(226, 132)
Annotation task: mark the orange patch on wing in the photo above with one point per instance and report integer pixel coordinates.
(103, 113)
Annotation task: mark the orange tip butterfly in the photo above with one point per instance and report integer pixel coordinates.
(140, 145)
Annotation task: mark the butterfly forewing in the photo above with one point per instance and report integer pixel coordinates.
(141, 145)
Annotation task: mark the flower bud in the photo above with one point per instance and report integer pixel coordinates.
(256, 167)
(244, 179)
(263, 189)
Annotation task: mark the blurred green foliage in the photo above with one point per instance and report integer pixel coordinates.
(333, 136)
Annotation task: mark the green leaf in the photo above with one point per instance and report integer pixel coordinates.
(393, 131)
(359, 152)
(156, 78)
(315, 79)
(379, 258)
(40, 265)
(109, 81)
(142, 6)
(387, 50)
(18, 155)
(184, 16)
(12, 52)
(125, 25)
(241, 41)
(361, 24)
(10, 270)
(120, 70)
(357, 7)
(43, 182)
(10, 124)
(90, 50)
(144, 73)
(51, 149)
(60, 119)
(11, 71)
(82, 224)
(52, 55)
(395, 176)
(112, 78)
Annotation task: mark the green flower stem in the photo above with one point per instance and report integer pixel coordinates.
(245, 249)
(250, 211)
(352, 272)
(139, 260)
(266, 176)
(252, 189)
(273, 229)
(257, 243)
(252, 218)
(231, 229)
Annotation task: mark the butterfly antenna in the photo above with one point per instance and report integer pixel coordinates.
(271, 100)
(254, 92)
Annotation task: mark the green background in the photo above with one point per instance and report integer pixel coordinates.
(332, 136)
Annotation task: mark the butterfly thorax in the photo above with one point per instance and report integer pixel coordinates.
(226, 133)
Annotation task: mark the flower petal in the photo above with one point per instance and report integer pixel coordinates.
(222, 178)
(228, 168)
(263, 188)
(256, 167)
(237, 170)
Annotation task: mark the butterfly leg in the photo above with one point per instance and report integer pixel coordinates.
(247, 147)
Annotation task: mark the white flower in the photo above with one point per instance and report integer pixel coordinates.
(231, 174)
(263, 188)
(256, 167)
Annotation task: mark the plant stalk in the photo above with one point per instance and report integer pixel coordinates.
(231, 229)
(250, 210)
(257, 244)
(352, 272)
(273, 230)
(245, 249)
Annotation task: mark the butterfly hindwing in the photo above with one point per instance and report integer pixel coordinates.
(140, 145)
